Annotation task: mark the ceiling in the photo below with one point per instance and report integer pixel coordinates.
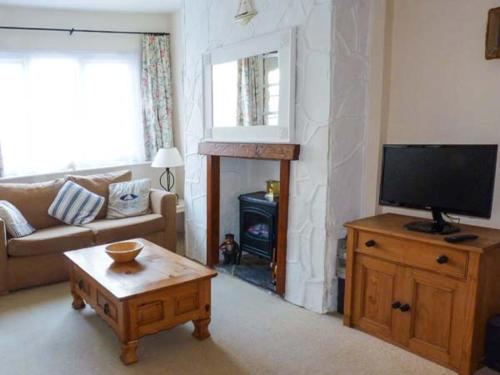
(147, 6)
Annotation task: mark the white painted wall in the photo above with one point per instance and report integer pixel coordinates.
(33, 17)
(57, 41)
(378, 96)
(439, 88)
(209, 24)
(176, 23)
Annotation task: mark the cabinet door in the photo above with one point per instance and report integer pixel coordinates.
(435, 320)
(375, 290)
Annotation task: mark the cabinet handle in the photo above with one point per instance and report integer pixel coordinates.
(396, 305)
(442, 259)
(370, 243)
(405, 307)
(106, 309)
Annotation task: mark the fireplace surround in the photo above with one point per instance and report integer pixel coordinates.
(285, 153)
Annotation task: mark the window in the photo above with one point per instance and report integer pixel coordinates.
(61, 113)
(271, 89)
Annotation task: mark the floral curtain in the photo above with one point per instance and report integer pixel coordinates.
(249, 91)
(156, 90)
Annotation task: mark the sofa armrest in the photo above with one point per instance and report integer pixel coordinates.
(3, 258)
(165, 204)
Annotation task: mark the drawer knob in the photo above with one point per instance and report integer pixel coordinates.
(370, 243)
(106, 309)
(405, 307)
(442, 259)
(80, 284)
(396, 305)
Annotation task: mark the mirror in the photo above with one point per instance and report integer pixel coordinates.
(246, 91)
(249, 90)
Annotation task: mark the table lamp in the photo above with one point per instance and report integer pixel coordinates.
(167, 158)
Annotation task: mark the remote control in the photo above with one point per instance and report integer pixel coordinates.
(460, 238)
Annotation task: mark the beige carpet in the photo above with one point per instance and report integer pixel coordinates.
(253, 332)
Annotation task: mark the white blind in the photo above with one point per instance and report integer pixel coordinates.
(63, 112)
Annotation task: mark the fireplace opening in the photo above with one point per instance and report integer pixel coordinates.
(254, 258)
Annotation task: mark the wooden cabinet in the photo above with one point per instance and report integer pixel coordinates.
(373, 298)
(421, 293)
(435, 323)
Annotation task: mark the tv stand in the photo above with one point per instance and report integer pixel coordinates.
(420, 292)
(437, 226)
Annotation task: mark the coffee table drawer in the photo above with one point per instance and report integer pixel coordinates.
(107, 306)
(150, 312)
(186, 299)
(83, 285)
(440, 259)
(168, 308)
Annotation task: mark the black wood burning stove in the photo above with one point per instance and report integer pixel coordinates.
(258, 224)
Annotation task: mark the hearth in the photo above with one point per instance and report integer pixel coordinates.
(255, 262)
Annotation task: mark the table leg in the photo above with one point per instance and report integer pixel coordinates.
(78, 302)
(129, 352)
(201, 328)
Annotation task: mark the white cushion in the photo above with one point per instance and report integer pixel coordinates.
(15, 223)
(75, 205)
(128, 199)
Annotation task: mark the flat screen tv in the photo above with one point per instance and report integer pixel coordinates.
(451, 179)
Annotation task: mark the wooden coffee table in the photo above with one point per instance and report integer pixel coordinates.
(157, 291)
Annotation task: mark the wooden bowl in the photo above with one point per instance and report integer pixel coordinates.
(122, 252)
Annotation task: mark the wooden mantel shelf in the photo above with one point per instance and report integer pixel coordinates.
(269, 151)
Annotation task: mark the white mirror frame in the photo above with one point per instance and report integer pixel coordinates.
(285, 43)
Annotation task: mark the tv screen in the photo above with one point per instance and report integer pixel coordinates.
(455, 179)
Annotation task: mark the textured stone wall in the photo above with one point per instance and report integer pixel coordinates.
(349, 105)
(209, 24)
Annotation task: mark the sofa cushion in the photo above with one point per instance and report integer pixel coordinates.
(99, 184)
(16, 224)
(33, 200)
(51, 240)
(127, 199)
(121, 229)
(75, 205)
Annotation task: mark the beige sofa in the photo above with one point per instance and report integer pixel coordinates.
(38, 259)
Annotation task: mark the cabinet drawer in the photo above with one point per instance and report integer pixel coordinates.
(436, 258)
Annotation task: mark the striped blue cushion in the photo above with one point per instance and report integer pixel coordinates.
(75, 205)
(15, 223)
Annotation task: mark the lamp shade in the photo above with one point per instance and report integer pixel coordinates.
(167, 158)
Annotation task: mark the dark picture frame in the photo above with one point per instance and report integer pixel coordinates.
(493, 35)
